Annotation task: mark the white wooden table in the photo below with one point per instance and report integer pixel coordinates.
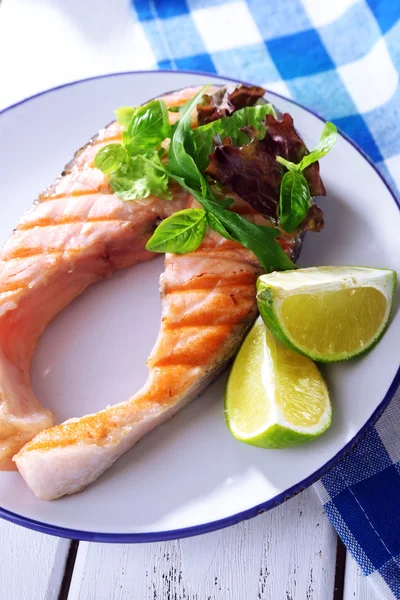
(289, 553)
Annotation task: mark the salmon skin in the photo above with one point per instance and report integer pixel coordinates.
(79, 232)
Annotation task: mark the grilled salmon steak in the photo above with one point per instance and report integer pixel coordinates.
(77, 233)
(208, 303)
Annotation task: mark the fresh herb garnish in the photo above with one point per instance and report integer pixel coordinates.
(224, 101)
(135, 169)
(184, 170)
(110, 158)
(259, 239)
(325, 145)
(294, 201)
(229, 127)
(145, 128)
(250, 171)
(124, 115)
(137, 180)
(295, 196)
(180, 233)
(149, 126)
(181, 147)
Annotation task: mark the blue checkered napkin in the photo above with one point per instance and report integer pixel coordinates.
(340, 58)
(361, 496)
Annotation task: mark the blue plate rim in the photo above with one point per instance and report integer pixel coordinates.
(118, 538)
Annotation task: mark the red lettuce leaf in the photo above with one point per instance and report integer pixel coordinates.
(252, 172)
(226, 100)
(283, 140)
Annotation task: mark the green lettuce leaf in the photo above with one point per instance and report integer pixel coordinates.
(137, 179)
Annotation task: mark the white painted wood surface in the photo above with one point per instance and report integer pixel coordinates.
(32, 564)
(288, 553)
(356, 586)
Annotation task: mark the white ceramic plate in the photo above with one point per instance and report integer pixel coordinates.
(190, 475)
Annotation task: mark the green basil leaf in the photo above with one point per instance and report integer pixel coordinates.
(326, 143)
(148, 127)
(137, 179)
(180, 108)
(294, 200)
(217, 226)
(180, 161)
(289, 165)
(260, 240)
(110, 158)
(124, 115)
(214, 221)
(180, 233)
(229, 126)
(225, 202)
(176, 109)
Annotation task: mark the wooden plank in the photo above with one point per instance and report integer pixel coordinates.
(32, 564)
(286, 554)
(356, 585)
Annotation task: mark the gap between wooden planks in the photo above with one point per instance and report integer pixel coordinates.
(32, 564)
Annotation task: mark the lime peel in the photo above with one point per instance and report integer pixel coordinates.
(275, 397)
(328, 314)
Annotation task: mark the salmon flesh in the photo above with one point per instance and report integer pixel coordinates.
(78, 232)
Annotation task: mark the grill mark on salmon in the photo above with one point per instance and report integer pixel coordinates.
(30, 252)
(74, 193)
(10, 287)
(67, 221)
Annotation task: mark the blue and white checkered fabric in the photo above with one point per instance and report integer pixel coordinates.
(361, 496)
(340, 58)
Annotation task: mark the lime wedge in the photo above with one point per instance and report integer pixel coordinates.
(275, 397)
(328, 313)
